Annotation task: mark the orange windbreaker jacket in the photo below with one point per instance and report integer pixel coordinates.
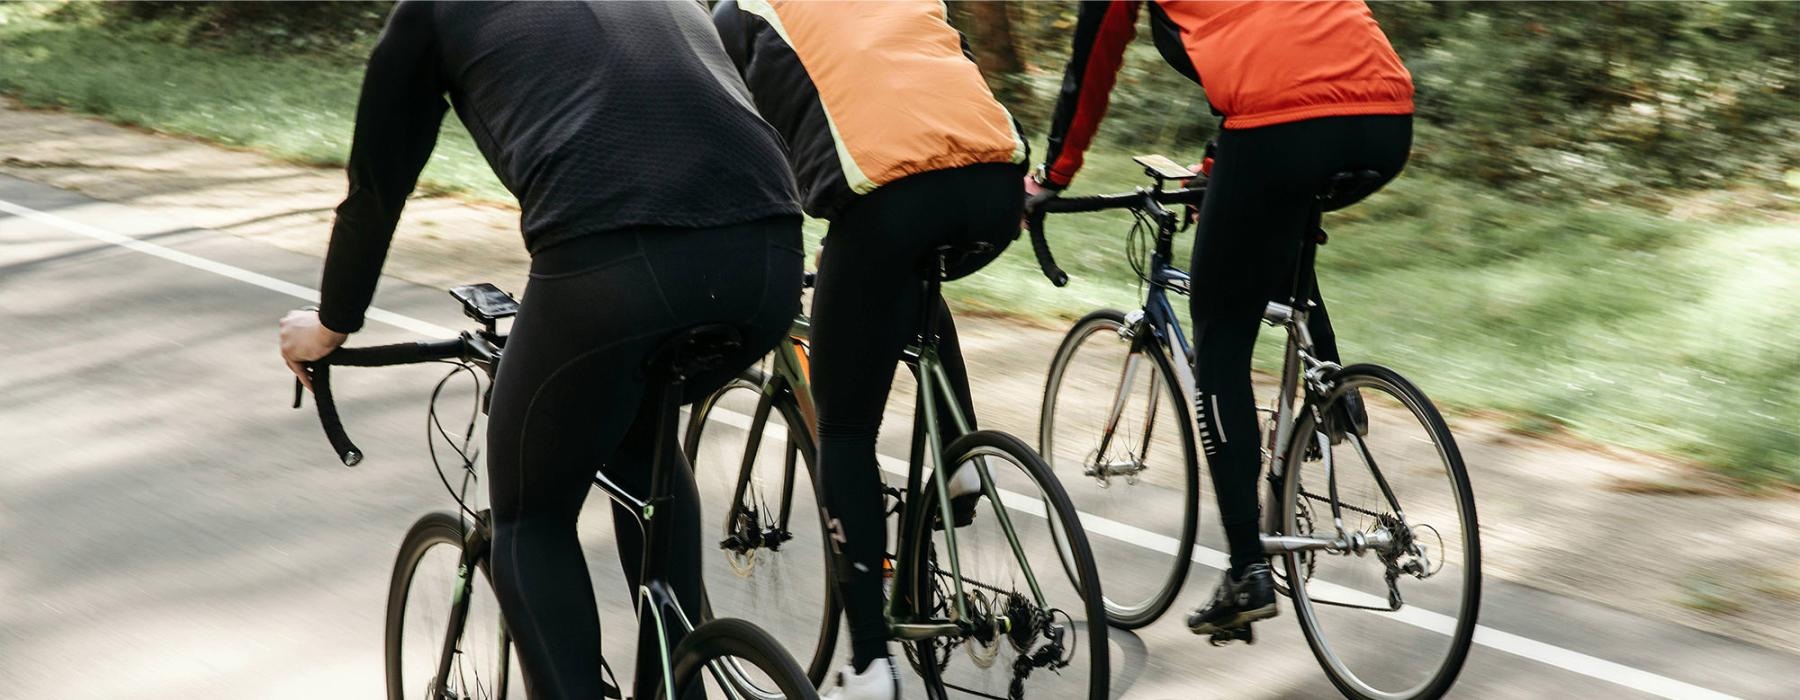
(865, 93)
(1261, 63)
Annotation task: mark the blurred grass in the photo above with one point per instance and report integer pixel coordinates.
(297, 108)
(1612, 322)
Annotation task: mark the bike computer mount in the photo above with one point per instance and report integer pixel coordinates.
(485, 302)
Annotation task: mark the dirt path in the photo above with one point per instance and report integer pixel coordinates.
(1630, 530)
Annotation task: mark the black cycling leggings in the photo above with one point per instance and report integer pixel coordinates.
(1259, 203)
(865, 311)
(571, 398)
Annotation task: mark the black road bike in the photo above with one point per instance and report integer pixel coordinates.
(1372, 519)
(445, 637)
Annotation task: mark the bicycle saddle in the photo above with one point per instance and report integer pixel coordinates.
(693, 350)
(955, 260)
(1347, 188)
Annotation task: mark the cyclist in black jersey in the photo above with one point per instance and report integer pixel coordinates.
(653, 198)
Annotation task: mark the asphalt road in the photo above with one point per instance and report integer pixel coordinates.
(169, 528)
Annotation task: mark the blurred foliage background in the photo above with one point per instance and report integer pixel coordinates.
(1599, 232)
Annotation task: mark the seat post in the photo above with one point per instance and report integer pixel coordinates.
(928, 307)
(1301, 294)
(668, 413)
(662, 466)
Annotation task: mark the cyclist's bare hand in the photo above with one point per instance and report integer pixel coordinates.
(304, 339)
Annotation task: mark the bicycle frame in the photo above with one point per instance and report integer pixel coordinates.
(934, 385)
(791, 374)
(1302, 380)
(656, 604)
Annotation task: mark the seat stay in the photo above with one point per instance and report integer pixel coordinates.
(657, 606)
(941, 383)
(930, 375)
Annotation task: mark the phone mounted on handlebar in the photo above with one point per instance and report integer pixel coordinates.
(1162, 169)
(485, 302)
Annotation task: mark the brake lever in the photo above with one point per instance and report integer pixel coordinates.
(299, 391)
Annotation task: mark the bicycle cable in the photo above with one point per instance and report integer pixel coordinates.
(463, 451)
(1135, 249)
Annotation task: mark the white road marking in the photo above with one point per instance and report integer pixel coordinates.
(1524, 647)
(400, 321)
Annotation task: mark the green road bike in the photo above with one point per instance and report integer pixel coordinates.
(1006, 606)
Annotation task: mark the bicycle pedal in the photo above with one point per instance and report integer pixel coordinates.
(1245, 634)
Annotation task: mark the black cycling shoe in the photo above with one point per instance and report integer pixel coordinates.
(1236, 603)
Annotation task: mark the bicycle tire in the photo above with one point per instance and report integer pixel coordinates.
(818, 657)
(1137, 613)
(1468, 608)
(739, 639)
(434, 529)
(1069, 535)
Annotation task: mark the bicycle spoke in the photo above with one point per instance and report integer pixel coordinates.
(1384, 562)
(1117, 433)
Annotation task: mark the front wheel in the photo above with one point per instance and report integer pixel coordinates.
(1408, 585)
(1036, 624)
(705, 654)
(445, 637)
(768, 560)
(1115, 429)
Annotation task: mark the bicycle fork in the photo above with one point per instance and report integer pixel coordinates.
(474, 549)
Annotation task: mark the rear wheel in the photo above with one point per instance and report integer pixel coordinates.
(435, 593)
(1115, 429)
(705, 654)
(753, 461)
(1023, 640)
(1402, 482)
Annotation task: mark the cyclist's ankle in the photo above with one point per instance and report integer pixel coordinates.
(1240, 567)
(861, 656)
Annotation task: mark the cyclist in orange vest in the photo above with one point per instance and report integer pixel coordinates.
(896, 140)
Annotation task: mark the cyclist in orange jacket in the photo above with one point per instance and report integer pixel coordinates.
(896, 140)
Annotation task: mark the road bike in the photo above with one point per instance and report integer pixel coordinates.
(973, 604)
(1115, 425)
(446, 640)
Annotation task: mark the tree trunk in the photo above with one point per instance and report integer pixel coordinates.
(989, 29)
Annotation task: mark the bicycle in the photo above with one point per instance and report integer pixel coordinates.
(736, 655)
(970, 588)
(1101, 426)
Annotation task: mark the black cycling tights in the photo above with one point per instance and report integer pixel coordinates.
(1258, 205)
(571, 398)
(865, 311)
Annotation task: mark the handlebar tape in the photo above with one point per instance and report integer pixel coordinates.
(1067, 205)
(396, 354)
(375, 356)
(1041, 248)
(328, 416)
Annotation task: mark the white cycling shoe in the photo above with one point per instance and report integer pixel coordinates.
(880, 681)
